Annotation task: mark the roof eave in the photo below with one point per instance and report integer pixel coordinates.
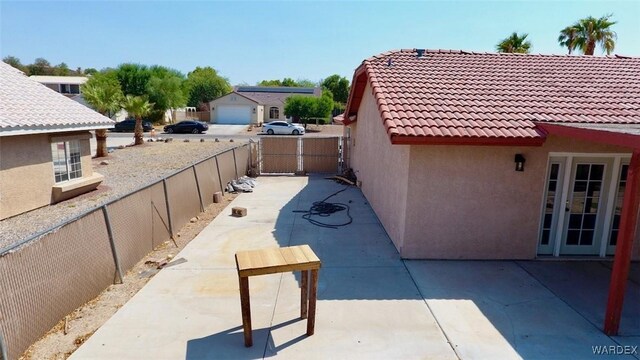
(358, 84)
(600, 135)
(24, 130)
(471, 141)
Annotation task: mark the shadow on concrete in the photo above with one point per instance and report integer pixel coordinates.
(229, 344)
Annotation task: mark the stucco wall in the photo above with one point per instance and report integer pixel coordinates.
(26, 172)
(235, 100)
(267, 108)
(382, 168)
(468, 202)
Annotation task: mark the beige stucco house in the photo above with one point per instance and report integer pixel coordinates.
(255, 104)
(44, 144)
(498, 156)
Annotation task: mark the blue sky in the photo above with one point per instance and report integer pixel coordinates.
(250, 41)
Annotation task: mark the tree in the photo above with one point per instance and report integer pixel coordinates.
(204, 85)
(339, 87)
(15, 62)
(270, 83)
(39, 67)
(568, 38)
(514, 44)
(589, 33)
(288, 82)
(102, 91)
(61, 69)
(90, 71)
(306, 108)
(133, 79)
(165, 90)
(137, 106)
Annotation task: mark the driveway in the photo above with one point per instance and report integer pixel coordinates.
(371, 303)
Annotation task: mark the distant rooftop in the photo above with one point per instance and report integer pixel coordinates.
(73, 80)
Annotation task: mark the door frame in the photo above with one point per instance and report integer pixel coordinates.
(613, 173)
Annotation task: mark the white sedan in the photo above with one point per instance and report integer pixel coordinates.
(282, 127)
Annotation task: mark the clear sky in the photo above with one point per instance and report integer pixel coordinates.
(251, 41)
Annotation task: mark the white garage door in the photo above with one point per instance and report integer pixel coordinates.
(233, 114)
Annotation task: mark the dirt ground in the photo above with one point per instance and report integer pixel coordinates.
(72, 331)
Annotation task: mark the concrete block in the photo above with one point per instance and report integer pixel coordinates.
(239, 211)
(217, 197)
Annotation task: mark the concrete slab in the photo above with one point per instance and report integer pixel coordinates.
(584, 286)
(495, 309)
(371, 303)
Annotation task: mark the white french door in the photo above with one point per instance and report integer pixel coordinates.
(582, 198)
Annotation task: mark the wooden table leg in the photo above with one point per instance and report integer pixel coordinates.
(304, 294)
(313, 294)
(246, 310)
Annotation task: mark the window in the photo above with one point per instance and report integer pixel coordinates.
(274, 112)
(66, 160)
(74, 89)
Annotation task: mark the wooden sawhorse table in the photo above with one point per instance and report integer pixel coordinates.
(276, 260)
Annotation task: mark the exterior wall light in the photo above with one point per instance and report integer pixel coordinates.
(254, 110)
(520, 162)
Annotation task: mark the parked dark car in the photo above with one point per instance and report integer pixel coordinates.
(194, 127)
(130, 125)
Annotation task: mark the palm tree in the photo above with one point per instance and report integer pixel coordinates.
(568, 37)
(592, 32)
(514, 44)
(137, 106)
(104, 98)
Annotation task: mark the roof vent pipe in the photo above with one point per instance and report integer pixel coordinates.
(420, 52)
(390, 62)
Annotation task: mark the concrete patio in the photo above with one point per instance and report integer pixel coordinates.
(371, 303)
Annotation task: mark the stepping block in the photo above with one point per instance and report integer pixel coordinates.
(239, 211)
(217, 197)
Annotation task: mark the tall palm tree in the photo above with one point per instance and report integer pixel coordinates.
(105, 99)
(514, 44)
(591, 32)
(568, 37)
(137, 106)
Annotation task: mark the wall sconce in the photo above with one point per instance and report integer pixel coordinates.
(520, 162)
(254, 110)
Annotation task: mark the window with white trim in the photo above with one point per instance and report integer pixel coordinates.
(67, 163)
(274, 112)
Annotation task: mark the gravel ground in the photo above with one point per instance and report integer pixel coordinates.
(128, 169)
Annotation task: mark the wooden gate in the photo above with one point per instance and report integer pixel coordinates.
(288, 155)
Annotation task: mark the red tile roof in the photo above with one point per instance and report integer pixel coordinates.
(446, 94)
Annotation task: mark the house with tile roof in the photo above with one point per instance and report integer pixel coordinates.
(496, 156)
(44, 144)
(255, 104)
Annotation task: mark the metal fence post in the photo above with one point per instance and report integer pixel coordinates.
(195, 175)
(219, 175)
(107, 221)
(166, 200)
(235, 163)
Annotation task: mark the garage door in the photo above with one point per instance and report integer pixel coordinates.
(230, 114)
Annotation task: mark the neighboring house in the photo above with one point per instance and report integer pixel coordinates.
(44, 144)
(66, 85)
(497, 156)
(255, 104)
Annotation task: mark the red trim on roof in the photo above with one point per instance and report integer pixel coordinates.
(358, 85)
(600, 136)
(431, 140)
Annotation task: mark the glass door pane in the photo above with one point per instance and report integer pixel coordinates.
(551, 207)
(617, 209)
(585, 202)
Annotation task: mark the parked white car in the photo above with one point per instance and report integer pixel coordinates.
(282, 127)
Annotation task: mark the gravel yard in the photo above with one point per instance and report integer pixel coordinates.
(128, 169)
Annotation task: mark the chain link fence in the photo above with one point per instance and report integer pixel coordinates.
(47, 276)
